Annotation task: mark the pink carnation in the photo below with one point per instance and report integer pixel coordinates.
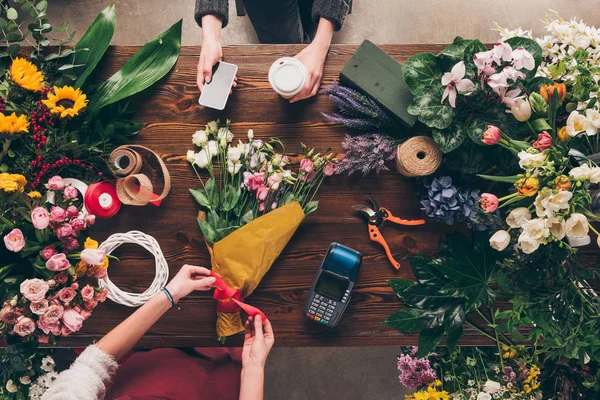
(70, 244)
(58, 214)
(90, 304)
(90, 219)
(87, 293)
(64, 231)
(25, 326)
(47, 252)
(77, 224)
(34, 289)
(101, 296)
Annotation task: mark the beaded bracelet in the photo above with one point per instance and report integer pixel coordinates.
(168, 294)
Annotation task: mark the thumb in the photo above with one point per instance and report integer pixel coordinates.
(204, 283)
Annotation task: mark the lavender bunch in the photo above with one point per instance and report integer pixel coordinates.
(366, 154)
(358, 111)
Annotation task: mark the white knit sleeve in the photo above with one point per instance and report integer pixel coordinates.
(86, 379)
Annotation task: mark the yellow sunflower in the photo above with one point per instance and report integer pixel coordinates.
(12, 182)
(26, 75)
(11, 124)
(66, 101)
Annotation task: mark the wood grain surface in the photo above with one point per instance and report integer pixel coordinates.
(171, 113)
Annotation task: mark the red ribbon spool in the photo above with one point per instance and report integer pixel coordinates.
(101, 200)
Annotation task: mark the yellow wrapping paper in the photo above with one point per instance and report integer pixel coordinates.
(246, 255)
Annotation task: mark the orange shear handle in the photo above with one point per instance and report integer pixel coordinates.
(390, 217)
(375, 236)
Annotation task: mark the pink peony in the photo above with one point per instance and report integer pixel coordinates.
(261, 193)
(90, 304)
(58, 262)
(544, 141)
(70, 244)
(72, 320)
(48, 326)
(488, 202)
(307, 165)
(14, 240)
(39, 307)
(101, 296)
(491, 135)
(92, 256)
(90, 219)
(66, 295)
(24, 326)
(40, 218)
(9, 315)
(77, 224)
(87, 293)
(58, 214)
(54, 312)
(72, 212)
(55, 183)
(47, 252)
(329, 169)
(64, 231)
(70, 193)
(61, 278)
(34, 289)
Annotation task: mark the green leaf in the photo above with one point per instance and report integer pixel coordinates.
(454, 316)
(96, 39)
(532, 47)
(541, 124)
(421, 73)
(399, 285)
(3, 23)
(310, 207)
(212, 193)
(452, 338)
(230, 197)
(200, 197)
(249, 216)
(408, 320)
(425, 271)
(429, 339)
(533, 86)
(12, 14)
(207, 231)
(146, 67)
(449, 139)
(474, 47)
(455, 52)
(475, 129)
(42, 6)
(429, 109)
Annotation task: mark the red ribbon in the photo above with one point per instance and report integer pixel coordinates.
(101, 199)
(223, 293)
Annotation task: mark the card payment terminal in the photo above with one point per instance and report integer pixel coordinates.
(332, 287)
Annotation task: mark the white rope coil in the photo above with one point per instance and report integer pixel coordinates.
(162, 268)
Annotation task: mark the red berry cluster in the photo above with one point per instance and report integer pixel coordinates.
(2, 104)
(40, 116)
(45, 167)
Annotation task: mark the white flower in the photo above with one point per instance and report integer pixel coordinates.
(491, 387)
(582, 173)
(229, 136)
(500, 240)
(190, 156)
(518, 217)
(454, 81)
(521, 110)
(25, 380)
(577, 225)
(233, 167)
(577, 123)
(212, 126)
(11, 386)
(595, 175)
(199, 138)
(35, 392)
(48, 364)
(257, 144)
(531, 160)
(528, 244)
(523, 59)
(484, 396)
(250, 134)
(201, 159)
(557, 228)
(593, 118)
(212, 148)
(553, 203)
(536, 228)
(234, 153)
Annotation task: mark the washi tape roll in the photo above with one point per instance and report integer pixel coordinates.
(101, 199)
(418, 156)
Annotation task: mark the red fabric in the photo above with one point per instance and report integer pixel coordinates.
(171, 374)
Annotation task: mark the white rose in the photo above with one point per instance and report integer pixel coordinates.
(199, 138)
(212, 126)
(11, 387)
(190, 156)
(595, 175)
(530, 161)
(250, 134)
(234, 154)
(484, 396)
(201, 159)
(491, 387)
(577, 225)
(212, 148)
(528, 244)
(557, 228)
(233, 167)
(593, 118)
(536, 228)
(500, 240)
(582, 173)
(518, 217)
(25, 380)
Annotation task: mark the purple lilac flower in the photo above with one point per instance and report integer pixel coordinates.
(415, 372)
(509, 375)
(366, 154)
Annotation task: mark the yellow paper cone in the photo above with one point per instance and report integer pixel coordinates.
(246, 255)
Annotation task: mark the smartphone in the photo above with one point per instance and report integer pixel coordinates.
(216, 93)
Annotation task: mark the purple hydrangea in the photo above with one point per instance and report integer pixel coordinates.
(442, 200)
(415, 372)
(366, 154)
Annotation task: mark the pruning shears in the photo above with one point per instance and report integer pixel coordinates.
(376, 216)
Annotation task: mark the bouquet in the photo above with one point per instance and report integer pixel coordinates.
(251, 205)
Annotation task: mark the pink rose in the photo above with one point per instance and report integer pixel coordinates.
(61, 278)
(58, 262)
(65, 231)
(14, 240)
(48, 326)
(55, 183)
(70, 193)
(72, 320)
(90, 304)
(72, 212)
(34, 289)
(100, 273)
(39, 307)
(42, 338)
(66, 295)
(101, 296)
(70, 244)
(92, 256)
(329, 169)
(65, 331)
(24, 326)
(58, 214)
(90, 219)
(491, 136)
(87, 293)
(307, 165)
(77, 224)
(261, 193)
(9, 315)
(256, 181)
(488, 202)
(47, 252)
(85, 314)
(53, 313)
(40, 218)
(544, 141)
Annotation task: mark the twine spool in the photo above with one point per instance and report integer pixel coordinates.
(134, 187)
(418, 156)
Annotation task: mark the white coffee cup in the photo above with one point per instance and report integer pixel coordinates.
(287, 77)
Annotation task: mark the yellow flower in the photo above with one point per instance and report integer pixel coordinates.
(11, 124)
(34, 195)
(66, 101)
(563, 136)
(431, 393)
(527, 187)
(26, 75)
(80, 269)
(12, 182)
(90, 243)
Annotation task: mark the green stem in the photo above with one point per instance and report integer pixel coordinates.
(5, 148)
(497, 339)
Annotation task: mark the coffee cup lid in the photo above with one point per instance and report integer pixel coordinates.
(287, 74)
(579, 241)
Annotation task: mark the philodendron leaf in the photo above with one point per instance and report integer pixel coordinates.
(407, 320)
(428, 107)
(428, 339)
(449, 139)
(532, 47)
(421, 73)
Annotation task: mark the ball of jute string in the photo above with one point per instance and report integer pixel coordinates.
(418, 156)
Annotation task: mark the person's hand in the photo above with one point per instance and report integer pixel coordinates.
(258, 342)
(313, 57)
(188, 279)
(211, 51)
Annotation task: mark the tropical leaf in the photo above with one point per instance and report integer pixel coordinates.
(146, 67)
(452, 339)
(421, 73)
(407, 320)
(425, 272)
(429, 339)
(430, 110)
(449, 139)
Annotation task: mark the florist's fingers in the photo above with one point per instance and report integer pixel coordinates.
(196, 270)
(258, 328)
(204, 283)
(305, 92)
(269, 331)
(200, 77)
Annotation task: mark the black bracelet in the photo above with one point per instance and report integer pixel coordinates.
(168, 294)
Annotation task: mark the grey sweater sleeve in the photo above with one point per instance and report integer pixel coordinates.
(219, 8)
(333, 10)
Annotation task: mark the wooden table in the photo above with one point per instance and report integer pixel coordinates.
(172, 115)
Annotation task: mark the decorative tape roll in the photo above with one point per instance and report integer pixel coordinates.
(162, 268)
(101, 199)
(133, 187)
(418, 156)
